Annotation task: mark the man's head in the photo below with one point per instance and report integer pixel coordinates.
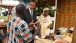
(32, 5)
(20, 10)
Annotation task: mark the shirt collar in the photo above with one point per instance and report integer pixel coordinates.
(30, 10)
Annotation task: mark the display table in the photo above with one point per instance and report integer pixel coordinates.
(43, 41)
(64, 37)
(69, 39)
(2, 26)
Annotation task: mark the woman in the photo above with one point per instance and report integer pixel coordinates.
(45, 22)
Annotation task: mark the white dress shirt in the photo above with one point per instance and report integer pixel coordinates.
(31, 13)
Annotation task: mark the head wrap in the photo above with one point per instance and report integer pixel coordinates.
(45, 10)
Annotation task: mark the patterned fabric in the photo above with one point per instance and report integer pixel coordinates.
(17, 31)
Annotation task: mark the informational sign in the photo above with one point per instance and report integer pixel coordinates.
(14, 2)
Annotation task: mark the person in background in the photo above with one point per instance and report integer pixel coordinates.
(9, 12)
(45, 22)
(17, 29)
(3, 12)
(30, 16)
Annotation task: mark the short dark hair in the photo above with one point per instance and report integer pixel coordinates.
(20, 9)
(32, 1)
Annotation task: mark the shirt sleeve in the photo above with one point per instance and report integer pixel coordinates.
(25, 32)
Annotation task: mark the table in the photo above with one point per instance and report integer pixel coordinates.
(2, 26)
(43, 41)
(4, 29)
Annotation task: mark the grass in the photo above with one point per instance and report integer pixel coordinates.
(4, 17)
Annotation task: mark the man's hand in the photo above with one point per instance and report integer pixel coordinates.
(31, 27)
(28, 40)
(37, 22)
(32, 23)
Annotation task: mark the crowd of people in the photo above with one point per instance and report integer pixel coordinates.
(23, 27)
(6, 11)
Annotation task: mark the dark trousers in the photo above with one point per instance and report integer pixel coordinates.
(33, 31)
(32, 41)
(1, 41)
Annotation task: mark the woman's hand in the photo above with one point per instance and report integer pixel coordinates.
(48, 26)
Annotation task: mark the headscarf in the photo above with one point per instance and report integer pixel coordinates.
(45, 10)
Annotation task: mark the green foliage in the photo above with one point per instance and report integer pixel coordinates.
(4, 17)
(39, 9)
(51, 26)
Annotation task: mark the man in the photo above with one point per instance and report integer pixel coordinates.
(30, 13)
(3, 12)
(17, 29)
(9, 12)
(30, 16)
